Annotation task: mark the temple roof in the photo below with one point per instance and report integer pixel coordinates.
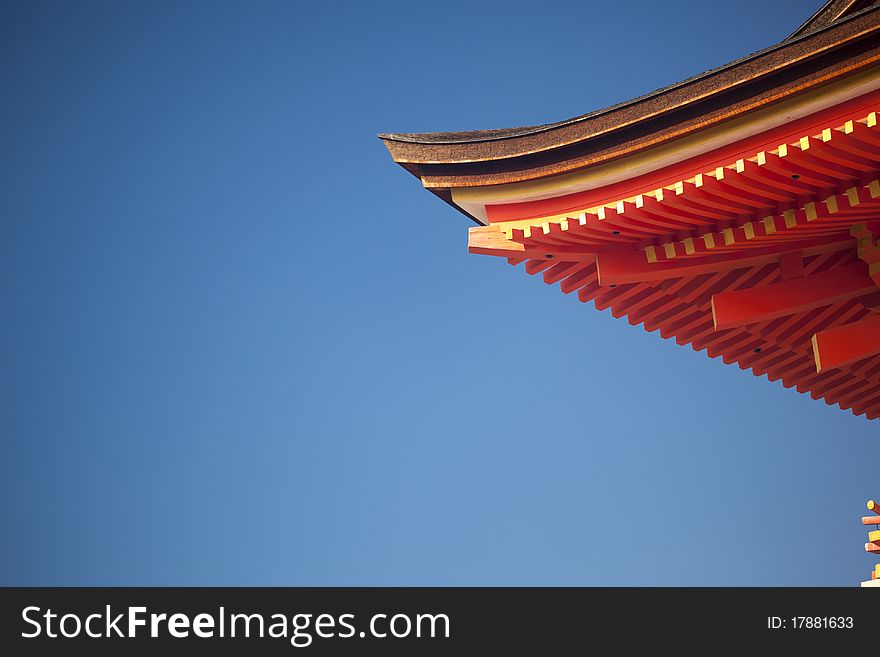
(737, 212)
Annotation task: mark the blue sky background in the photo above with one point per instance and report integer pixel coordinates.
(241, 346)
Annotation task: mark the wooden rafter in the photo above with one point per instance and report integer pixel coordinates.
(797, 295)
(629, 266)
(833, 348)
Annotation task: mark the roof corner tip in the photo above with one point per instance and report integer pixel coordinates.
(830, 12)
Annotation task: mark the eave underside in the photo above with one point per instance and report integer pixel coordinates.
(806, 211)
(769, 259)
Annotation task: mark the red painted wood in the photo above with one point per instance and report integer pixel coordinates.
(848, 343)
(759, 304)
(784, 231)
(791, 265)
(630, 266)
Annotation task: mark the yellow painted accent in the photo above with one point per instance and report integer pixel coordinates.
(852, 195)
(872, 120)
(848, 127)
(871, 505)
(804, 143)
(782, 151)
(810, 211)
(790, 217)
(874, 535)
(826, 134)
(651, 253)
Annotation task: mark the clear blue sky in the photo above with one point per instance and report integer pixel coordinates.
(241, 346)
